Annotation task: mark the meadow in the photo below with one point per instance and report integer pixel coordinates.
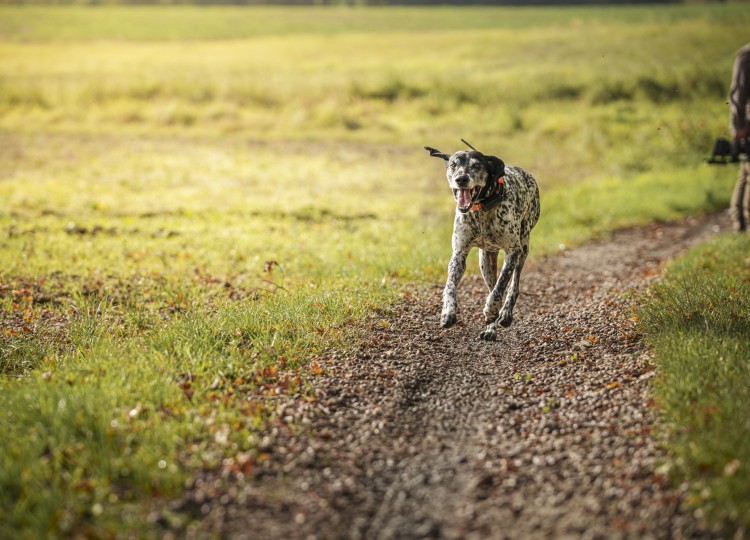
(197, 203)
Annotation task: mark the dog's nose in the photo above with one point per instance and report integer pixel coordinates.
(462, 180)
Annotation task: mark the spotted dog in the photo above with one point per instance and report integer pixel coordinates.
(496, 208)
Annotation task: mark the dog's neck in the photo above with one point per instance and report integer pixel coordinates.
(491, 200)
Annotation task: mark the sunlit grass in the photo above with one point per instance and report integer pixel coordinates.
(536, 92)
(164, 23)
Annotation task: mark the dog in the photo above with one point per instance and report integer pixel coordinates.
(496, 208)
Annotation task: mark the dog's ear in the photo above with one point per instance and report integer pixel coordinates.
(437, 153)
(496, 167)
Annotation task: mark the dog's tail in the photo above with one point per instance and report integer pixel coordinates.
(467, 144)
(438, 154)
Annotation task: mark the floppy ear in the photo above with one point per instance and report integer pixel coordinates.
(496, 167)
(437, 153)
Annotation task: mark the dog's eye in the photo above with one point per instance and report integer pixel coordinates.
(453, 165)
(475, 166)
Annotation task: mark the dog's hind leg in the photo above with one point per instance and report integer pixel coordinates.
(494, 299)
(506, 313)
(488, 267)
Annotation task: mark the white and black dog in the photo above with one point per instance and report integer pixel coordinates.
(496, 208)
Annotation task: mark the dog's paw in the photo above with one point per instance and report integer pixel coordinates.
(448, 319)
(506, 318)
(489, 333)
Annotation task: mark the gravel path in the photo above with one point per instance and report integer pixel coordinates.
(430, 433)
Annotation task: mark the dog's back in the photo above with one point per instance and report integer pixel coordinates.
(524, 195)
(508, 225)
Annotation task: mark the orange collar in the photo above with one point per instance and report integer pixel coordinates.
(493, 199)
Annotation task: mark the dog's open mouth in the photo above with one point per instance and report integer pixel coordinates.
(465, 198)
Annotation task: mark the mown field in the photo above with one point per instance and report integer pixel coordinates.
(196, 202)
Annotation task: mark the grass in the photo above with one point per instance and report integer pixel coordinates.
(699, 325)
(270, 85)
(189, 23)
(193, 214)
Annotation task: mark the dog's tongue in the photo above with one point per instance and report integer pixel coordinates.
(464, 198)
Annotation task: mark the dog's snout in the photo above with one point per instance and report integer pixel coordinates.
(462, 180)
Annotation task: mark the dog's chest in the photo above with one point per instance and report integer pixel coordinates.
(492, 231)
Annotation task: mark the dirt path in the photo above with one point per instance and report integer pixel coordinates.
(432, 433)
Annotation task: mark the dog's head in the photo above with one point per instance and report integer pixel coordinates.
(471, 175)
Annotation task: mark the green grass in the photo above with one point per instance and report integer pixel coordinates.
(170, 23)
(192, 214)
(598, 99)
(699, 325)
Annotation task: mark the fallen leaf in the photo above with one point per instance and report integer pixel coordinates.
(731, 467)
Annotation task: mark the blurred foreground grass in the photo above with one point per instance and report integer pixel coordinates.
(192, 213)
(699, 325)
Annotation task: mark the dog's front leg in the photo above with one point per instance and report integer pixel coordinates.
(456, 269)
